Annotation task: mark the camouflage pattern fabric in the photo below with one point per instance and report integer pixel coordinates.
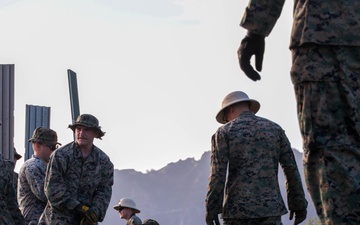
(11, 166)
(134, 220)
(251, 149)
(325, 43)
(276, 220)
(9, 210)
(327, 87)
(316, 21)
(70, 180)
(31, 196)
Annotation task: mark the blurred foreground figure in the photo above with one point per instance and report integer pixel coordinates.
(79, 178)
(31, 196)
(9, 209)
(17, 157)
(325, 46)
(11, 164)
(245, 156)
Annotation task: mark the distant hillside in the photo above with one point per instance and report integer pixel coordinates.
(175, 194)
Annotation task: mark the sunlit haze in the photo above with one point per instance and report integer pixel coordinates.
(153, 72)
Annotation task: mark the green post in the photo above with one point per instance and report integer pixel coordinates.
(74, 97)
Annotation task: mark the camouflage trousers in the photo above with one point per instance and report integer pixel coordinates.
(327, 87)
(275, 220)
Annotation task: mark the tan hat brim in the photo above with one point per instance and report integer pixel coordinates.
(254, 107)
(117, 207)
(98, 129)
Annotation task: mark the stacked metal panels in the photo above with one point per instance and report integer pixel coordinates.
(36, 116)
(7, 111)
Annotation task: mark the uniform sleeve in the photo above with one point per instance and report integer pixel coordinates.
(217, 178)
(35, 178)
(261, 15)
(55, 187)
(294, 187)
(103, 192)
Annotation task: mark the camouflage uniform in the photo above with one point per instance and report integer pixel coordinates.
(11, 166)
(70, 181)
(325, 45)
(134, 220)
(250, 148)
(31, 196)
(9, 210)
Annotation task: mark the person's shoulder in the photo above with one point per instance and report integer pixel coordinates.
(65, 149)
(136, 220)
(268, 121)
(30, 162)
(101, 153)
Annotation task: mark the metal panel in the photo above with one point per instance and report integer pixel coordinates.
(7, 110)
(74, 97)
(36, 116)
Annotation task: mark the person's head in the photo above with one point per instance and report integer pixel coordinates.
(150, 222)
(86, 128)
(235, 103)
(127, 208)
(44, 142)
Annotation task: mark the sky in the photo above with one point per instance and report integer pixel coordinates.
(154, 72)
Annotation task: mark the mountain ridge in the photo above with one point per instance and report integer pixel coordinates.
(175, 194)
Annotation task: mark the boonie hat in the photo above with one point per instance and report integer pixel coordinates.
(150, 222)
(126, 203)
(45, 136)
(90, 121)
(235, 97)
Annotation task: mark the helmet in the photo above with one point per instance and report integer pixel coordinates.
(235, 97)
(126, 203)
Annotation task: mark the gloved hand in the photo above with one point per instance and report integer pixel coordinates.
(252, 44)
(88, 213)
(299, 216)
(211, 218)
(85, 221)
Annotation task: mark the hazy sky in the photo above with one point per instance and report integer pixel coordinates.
(154, 72)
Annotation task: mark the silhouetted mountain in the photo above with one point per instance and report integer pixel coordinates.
(175, 194)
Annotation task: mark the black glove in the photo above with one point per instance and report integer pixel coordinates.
(85, 221)
(252, 44)
(211, 219)
(299, 216)
(87, 212)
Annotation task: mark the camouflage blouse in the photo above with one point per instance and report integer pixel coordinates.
(245, 157)
(316, 21)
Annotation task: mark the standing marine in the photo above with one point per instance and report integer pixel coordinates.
(79, 178)
(325, 72)
(246, 152)
(31, 196)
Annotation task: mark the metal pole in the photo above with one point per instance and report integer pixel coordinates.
(74, 97)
